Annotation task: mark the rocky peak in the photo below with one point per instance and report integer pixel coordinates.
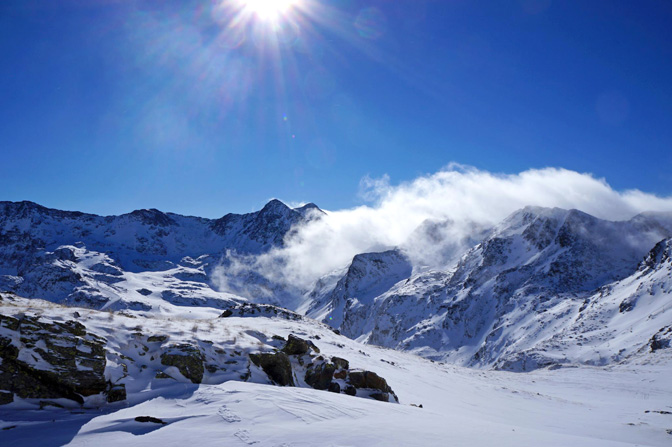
(275, 207)
(659, 255)
(310, 211)
(31, 210)
(152, 217)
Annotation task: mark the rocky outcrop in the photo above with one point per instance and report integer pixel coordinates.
(187, 359)
(300, 358)
(662, 339)
(44, 358)
(260, 310)
(320, 376)
(299, 346)
(276, 366)
(49, 360)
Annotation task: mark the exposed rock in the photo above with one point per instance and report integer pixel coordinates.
(260, 310)
(54, 360)
(342, 374)
(320, 377)
(157, 338)
(276, 366)
(340, 363)
(372, 381)
(299, 346)
(334, 387)
(350, 390)
(187, 359)
(662, 339)
(367, 379)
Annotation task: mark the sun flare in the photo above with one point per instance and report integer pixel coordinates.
(270, 10)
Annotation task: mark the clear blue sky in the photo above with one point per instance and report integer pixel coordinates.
(108, 106)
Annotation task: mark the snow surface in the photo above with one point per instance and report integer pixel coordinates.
(593, 406)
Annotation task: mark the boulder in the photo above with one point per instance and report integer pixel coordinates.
(276, 366)
(299, 346)
(372, 381)
(367, 379)
(187, 359)
(320, 376)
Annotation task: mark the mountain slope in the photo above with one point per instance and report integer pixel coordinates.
(102, 261)
(524, 281)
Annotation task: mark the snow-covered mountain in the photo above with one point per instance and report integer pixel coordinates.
(505, 301)
(116, 330)
(135, 260)
(513, 297)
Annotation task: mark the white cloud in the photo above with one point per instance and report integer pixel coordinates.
(470, 198)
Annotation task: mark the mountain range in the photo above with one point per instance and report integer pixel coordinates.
(544, 289)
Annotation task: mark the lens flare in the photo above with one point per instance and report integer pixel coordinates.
(270, 10)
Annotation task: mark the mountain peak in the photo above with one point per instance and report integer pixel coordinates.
(310, 211)
(152, 216)
(276, 206)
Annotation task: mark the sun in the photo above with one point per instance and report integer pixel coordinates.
(270, 10)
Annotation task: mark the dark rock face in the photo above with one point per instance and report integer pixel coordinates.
(187, 359)
(659, 255)
(661, 339)
(368, 379)
(626, 306)
(61, 360)
(276, 366)
(321, 376)
(299, 346)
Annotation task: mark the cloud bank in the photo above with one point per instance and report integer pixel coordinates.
(469, 198)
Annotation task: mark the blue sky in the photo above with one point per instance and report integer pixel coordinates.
(108, 106)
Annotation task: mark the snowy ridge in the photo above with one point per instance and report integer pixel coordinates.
(99, 262)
